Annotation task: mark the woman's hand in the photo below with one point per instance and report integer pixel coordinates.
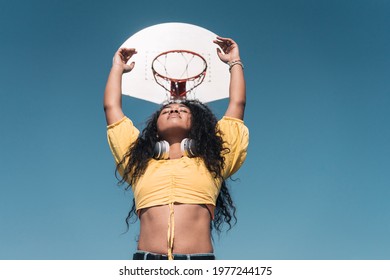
(229, 52)
(121, 58)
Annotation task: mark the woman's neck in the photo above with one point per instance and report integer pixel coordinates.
(175, 151)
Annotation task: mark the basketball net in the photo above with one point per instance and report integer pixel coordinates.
(179, 72)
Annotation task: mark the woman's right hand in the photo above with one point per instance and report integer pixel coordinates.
(121, 58)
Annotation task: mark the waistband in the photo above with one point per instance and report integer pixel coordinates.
(141, 255)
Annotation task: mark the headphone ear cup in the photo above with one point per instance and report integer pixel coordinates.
(188, 147)
(161, 150)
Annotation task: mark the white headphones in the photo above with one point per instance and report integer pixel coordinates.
(187, 146)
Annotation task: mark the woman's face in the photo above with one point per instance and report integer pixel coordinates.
(174, 121)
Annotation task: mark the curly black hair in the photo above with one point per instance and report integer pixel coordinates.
(209, 147)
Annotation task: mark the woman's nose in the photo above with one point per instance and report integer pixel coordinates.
(175, 110)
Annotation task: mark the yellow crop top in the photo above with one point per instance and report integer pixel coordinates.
(184, 180)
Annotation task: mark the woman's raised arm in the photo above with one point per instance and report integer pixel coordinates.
(237, 93)
(112, 101)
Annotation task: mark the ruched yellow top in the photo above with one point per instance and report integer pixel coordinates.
(184, 180)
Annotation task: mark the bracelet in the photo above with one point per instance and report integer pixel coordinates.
(235, 62)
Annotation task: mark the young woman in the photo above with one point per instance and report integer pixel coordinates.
(177, 166)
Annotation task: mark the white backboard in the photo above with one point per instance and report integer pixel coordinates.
(153, 40)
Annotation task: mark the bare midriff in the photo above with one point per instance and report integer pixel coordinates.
(190, 224)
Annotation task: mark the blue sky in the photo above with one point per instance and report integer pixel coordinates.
(316, 183)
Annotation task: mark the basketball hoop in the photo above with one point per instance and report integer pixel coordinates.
(179, 71)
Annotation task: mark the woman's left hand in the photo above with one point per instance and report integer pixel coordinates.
(230, 51)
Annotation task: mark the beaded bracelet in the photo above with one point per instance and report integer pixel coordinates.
(235, 62)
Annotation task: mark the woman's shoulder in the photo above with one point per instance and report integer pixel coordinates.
(125, 121)
(228, 119)
(120, 136)
(235, 135)
(230, 125)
